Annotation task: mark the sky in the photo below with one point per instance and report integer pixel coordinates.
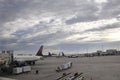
(69, 26)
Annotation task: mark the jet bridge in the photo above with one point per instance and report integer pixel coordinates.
(7, 64)
(5, 58)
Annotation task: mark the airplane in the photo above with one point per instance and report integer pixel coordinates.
(73, 56)
(61, 54)
(28, 58)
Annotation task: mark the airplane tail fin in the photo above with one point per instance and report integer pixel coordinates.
(39, 53)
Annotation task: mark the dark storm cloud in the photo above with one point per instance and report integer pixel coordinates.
(8, 40)
(46, 37)
(110, 9)
(20, 33)
(5, 41)
(107, 27)
(85, 14)
(85, 18)
(88, 14)
(50, 38)
(11, 9)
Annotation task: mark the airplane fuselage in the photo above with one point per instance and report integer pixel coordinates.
(27, 58)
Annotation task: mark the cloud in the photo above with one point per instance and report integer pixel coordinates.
(83, 18)
(111, 9)
(104, 28)
(27, 24)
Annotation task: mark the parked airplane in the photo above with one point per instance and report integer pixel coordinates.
(29, 58)
(73, 56)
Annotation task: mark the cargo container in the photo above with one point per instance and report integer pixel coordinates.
(17, 70)
(26, 68)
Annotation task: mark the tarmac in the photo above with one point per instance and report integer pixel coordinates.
(93, 68)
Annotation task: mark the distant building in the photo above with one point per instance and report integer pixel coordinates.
(99, 53)
(118, 52)
(111, 52)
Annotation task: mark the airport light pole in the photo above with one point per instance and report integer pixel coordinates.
(102, 47)
(87, 49)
